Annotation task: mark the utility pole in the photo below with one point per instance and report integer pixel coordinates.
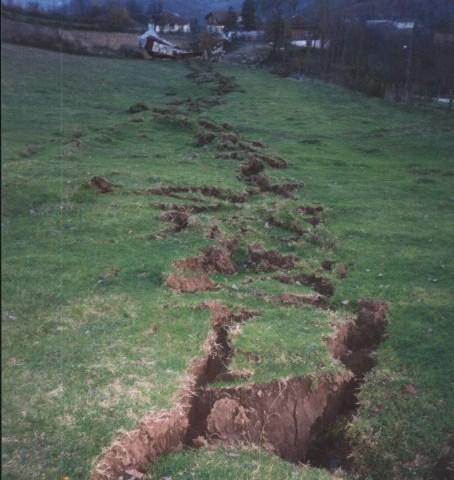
(409, 62)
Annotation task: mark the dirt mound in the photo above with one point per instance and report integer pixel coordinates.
(222, 316)
(172, 114)
(204, 190)
(319, 284)
(179, 219)
(261, 260)
(211, 260)
(252, 167)
(137, 108)
(212, 126)
(444, 468)
(315, 214)
(101, 184)
(328, 265)
(204, 138)
(311, 210)
(272, 161)
(188, 209)
(263, 182)
(186, 284)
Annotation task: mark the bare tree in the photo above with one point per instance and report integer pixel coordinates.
(276, 11)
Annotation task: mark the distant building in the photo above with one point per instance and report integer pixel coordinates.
(155, 46)
(247, 35)
(304, 34)
(394, 24)
(171, 23)
(217, 21)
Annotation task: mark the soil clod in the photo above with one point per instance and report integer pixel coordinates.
(101, 184)
(187, 284)
(137, 108)
(319, 284)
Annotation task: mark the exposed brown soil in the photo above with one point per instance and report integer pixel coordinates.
(319, 284)
(190, 284)
(189, 209)
(179, 219)
(101, 184)
(261, 260)
(444, 468)
(272, 161)
(312, 210)
(204, 190)
(212, 126)
(210, 260)
(252, 167)
(137, 108)
(263, 182)
(172, 114)
(328, 265)
(291, 227)
(291, 417)
(287, 417)
(204, 138)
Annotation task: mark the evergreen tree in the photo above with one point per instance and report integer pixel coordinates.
(231, 22)
(248, 14)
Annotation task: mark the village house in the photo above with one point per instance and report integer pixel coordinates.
(304, 34)
(219, 21)
(171, 23)
(154, 45)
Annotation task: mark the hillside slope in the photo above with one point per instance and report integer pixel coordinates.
(97, 329)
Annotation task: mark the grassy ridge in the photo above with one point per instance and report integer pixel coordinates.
(92, 340)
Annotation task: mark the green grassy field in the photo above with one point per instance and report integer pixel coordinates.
(92, 339)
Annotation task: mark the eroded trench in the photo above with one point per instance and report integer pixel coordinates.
(295, 418)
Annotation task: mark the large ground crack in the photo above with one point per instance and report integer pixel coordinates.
(292, 417)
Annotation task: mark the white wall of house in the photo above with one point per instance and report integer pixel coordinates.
(309, 44)
(215, 28)
(173, 28)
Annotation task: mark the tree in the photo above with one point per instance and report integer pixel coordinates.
(276, 11)
(248, 14)
(231, 21)
(79, 8)
(133, 9)
(155, 9)
(119, 17)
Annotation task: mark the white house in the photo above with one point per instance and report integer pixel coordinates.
(171, 23)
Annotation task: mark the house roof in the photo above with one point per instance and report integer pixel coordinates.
(151, 33)
(219, 17)
(167, 18)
